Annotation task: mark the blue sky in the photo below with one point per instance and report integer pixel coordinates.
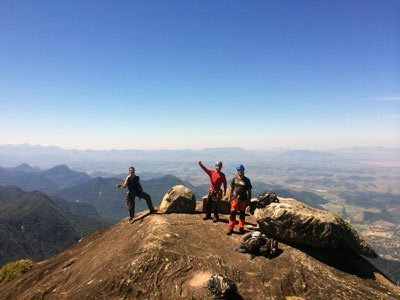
(195, 74)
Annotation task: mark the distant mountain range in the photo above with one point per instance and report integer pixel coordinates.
(51, 180)
(108, 163)
(50, 156)
(301, 155)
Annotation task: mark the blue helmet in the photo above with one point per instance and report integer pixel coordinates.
(240, 167)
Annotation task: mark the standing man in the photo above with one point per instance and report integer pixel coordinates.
(217, 178)
(240, 195)
(135, 190)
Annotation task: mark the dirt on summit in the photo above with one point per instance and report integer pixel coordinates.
(171, 256)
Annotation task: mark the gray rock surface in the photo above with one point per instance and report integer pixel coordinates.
(179, 199)
(295, 222)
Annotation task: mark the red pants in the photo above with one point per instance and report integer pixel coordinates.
(237, 206)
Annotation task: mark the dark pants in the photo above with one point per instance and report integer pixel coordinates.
(213, 201)
(130, 202)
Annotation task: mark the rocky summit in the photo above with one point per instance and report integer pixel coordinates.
(171, 256)
(293, 221)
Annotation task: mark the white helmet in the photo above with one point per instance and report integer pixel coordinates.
(256, 234)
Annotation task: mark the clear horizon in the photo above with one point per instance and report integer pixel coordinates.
(204, 148)
(194, 75)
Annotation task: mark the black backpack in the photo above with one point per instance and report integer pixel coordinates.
(266, 198)
(221, 287)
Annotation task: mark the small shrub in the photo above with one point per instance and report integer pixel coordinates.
(14, 269)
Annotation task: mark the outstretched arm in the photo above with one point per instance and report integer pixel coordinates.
(124, 185)
(204, 168)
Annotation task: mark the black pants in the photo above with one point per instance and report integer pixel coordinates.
(130, 202)
(213, 202)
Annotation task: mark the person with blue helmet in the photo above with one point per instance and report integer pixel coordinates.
(240, 196)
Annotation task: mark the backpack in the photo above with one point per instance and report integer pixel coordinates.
(266, 198)
(221, 287)
(252, 245)
(270, 249)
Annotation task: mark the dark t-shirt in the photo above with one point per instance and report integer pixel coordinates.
(134, 186)
(240, 186)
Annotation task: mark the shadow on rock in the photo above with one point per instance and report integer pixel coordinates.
(237, 296)
(345, 261)
(270, 256)
(277, 253)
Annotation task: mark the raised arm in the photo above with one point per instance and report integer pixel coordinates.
(124, 185)
(204, 168)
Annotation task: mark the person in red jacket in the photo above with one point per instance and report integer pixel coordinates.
(217, 178)
(240, 195)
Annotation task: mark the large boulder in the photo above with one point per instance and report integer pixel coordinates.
(179, 199)
(293, 221)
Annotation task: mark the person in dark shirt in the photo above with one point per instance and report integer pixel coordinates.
(240, 196)
(132, 182)
(217, 178)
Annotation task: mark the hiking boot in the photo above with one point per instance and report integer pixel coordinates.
(241, 230)
(229, 232)
(241, 250)
(215, 220)
(206, 218)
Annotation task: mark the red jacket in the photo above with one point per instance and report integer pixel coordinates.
(216, 179)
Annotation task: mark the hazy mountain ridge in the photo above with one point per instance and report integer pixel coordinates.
(308, 155)
(50, 180)
(50, 156)
(28, 181)
(64, 177)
